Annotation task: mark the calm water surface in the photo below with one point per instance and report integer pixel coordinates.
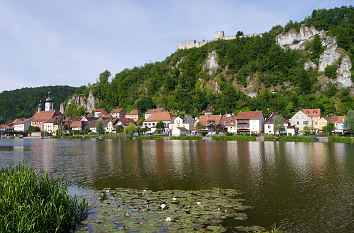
(302, 187)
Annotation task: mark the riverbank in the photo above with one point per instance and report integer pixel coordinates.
(306, 139)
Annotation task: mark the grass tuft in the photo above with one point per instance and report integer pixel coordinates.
(33, 203)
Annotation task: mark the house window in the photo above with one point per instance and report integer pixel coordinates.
(297, 122)
(306, 122)
(268, 126)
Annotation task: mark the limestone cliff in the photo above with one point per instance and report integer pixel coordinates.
(80, 101)
(297, 40)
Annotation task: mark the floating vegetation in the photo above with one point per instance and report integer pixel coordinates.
(131, 210)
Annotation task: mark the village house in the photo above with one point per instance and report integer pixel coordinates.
(123, 122)
(229, 123)
(315, 115)
(186, 122)
(250, 122)
(149, 112)
(21, 125)
(209, 111)
(134, 114)
(269, 124)
(100, 112)
(75, 123)
(4, 127)
(118, 113)
(179, 131)
(338, 123)
(151, 121)
(300, 120)
(91, 125)
(51, 126)
(321, 123)
(211, 123)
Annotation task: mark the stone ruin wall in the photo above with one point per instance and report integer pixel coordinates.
(219, 35)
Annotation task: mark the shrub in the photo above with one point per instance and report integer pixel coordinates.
(31, 203)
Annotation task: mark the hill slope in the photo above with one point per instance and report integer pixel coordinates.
(243, 74)
(22, 103)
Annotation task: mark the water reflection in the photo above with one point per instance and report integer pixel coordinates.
(303, 187)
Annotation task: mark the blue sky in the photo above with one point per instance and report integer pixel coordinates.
(69, 42)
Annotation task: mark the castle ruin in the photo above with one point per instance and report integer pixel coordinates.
(219, 35)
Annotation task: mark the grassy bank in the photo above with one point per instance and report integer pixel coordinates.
(295, 139)
(337, 139)
(152, 137)
(186, 138)
(75, 137)
(234, 138)
(32, 203)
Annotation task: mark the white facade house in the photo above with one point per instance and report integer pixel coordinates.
(269, 124)
(152, 121)
(180, 131)
(300, 120)
(250, 122)
(22, 125)
(186, 122)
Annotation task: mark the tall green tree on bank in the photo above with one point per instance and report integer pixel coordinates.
(278, 125)
(349, 122)
(100, 127)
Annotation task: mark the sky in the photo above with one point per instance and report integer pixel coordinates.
(70, 42)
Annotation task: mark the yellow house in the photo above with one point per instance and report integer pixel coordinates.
(134, 114)
(321, 123)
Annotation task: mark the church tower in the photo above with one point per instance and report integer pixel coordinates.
(39, 109)
(49, 103)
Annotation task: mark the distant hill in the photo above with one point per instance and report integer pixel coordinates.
(22, 103)
(254, 73)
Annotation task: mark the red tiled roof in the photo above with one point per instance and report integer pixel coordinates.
(331, 119)
(3, 126)
(100, 110)
(117, 110)
(151, 111)
(315, 112)
(126, 121)
(133, 112)
(340, 119)
(45, 115)
(270, 119)
(54, 119)
(249, 115)
(76, 124)
(20, 121)
(159, 116)
(210, 119)
(228, 120)
(182, 128)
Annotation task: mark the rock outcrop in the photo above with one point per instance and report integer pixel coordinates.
(310, 65)
(297, 40)
(343, 73)
(80, 101)
(211, 63)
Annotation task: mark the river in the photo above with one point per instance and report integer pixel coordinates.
(301, 187)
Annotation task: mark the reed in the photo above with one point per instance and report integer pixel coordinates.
(36, 203)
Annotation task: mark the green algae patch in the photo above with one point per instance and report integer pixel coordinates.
(131, 210)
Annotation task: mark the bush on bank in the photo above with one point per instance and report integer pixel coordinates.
(234, 138)
(186, 138)
(32, 203)
(337, 139)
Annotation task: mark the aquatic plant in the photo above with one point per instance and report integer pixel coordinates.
(170, 210)
(36, 203)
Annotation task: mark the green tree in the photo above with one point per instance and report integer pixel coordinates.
(239, 33)
(278, 125)
(160, 126)
(199, 126)
(130, 129)
(32, 129)
(328, 129)
(119, 129)
(61, 131)
(349, 122)
(100, 127)
(145, 103)
(331, 71)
